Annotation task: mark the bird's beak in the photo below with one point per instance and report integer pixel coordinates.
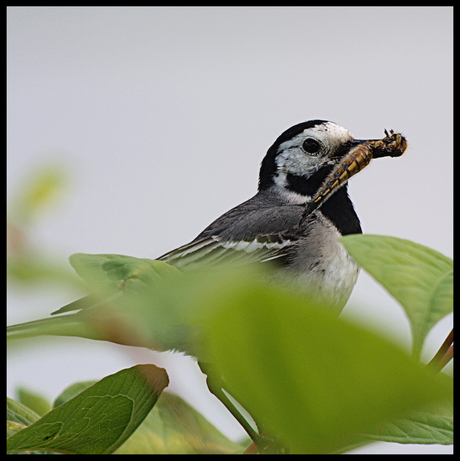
(392, 145)
(350, 160)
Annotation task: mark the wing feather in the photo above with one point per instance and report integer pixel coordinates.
(213, 250)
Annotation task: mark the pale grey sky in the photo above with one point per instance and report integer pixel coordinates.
(163, 116)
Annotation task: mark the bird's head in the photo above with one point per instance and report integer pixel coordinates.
(302, 157)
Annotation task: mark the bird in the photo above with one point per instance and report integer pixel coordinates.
(272, 228)
(265, 228)
(292, 224)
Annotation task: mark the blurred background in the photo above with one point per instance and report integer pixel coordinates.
(154, 121)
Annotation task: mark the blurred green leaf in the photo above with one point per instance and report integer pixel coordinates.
(314, 381)
(420, 278)
(128, 307)
(68, 325)
(140, 311)
(34, 268)
(173, 426)
(34, 401)
(43, 186)
(98, 420)
(108, 273)
(27, 263)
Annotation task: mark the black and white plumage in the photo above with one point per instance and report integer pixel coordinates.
(266, 227)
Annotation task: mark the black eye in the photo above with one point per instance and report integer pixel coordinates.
(311, 146)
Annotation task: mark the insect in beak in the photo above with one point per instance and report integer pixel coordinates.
(358, 157)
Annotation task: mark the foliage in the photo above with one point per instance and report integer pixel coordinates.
(99, 419)
(420, 278)
(312, 382)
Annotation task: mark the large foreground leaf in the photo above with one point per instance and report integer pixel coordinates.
(99, 419)
(311, 379)
(420, 278)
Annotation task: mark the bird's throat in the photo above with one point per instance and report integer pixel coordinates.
(307, 186)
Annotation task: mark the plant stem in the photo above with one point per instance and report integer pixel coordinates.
(444, 354)
(446, 359)
(217, 390)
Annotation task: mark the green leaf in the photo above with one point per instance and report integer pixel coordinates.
(434, 425)
(12, 427)
(312, 380)
(18, 417)
(34, 401)
(72, 391)
(316, 382)
(99, 419)
(19, 413)
(37, 268)
(38, 191)
(173, 426)
(420, 278)
(108, 273)
(142, 313)
(69, 325)
(133, 290)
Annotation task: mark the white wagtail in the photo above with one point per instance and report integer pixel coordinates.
(289, 222)
(293, 222)
(266, 227)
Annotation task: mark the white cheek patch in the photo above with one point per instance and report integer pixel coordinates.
(294, 160)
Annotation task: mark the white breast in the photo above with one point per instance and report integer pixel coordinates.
(323, 265)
